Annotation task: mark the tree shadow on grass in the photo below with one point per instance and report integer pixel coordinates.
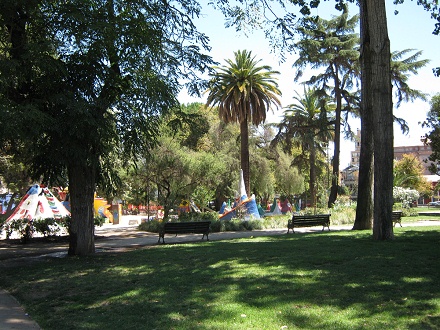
(315, 280)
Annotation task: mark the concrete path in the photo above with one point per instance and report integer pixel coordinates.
(12, 315)
(121, 237)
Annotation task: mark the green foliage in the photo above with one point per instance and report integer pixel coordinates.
(152, 226)
(85, 82)
(23, 227)
(218, 225)
(306, 124)
(99, 220)
(432, 138)
(408, 173)
(195, 216)
(289, 181)
(47, 227)
(26, 229)
(343, 211)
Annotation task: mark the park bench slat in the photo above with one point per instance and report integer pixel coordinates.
(192, 227)
(308, 221)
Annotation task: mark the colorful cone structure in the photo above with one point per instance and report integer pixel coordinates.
(39, 203)
(248, 202)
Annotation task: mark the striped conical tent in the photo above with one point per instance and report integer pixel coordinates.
(39, 203)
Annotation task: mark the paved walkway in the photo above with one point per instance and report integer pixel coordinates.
(114, 238)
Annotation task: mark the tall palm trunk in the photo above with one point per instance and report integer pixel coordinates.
(244, 159)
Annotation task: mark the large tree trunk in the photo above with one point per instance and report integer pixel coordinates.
(244, 145)
(376, 79)
(365, 203)
(82, 178)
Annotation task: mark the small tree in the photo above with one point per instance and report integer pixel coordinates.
(408, 173)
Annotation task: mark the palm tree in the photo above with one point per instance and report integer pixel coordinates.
(306, 124)
(243, 92)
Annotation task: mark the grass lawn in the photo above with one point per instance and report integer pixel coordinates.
(320, 280)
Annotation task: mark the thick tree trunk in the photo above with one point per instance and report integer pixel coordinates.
(365, 203)
(376, 84)
(244, 145)
(81, 189)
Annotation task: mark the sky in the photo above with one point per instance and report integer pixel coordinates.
(410, 29)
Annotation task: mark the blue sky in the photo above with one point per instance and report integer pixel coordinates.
(410, 29)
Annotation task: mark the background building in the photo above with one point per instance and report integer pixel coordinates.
(350, 174)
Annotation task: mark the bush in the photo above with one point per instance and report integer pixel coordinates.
(48, 227)
(99, 220)
(193, 216)
(23, 227)
(343, 211)
(218, 225)
(152, 226)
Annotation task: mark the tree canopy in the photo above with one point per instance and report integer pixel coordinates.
(84, 81)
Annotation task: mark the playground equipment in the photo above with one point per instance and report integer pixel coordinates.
(39, 203)
(243, 203)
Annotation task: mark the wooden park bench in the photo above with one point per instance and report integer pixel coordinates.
(397, 218)
(196, 227)
(309, 221)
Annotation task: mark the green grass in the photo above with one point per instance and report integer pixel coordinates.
(321, 280)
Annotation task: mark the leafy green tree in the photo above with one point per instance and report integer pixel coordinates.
(180, 173)
(262, 177)
(401, 69)
(244, 92)
(81, 81)
(331, 45)
(306, 123)
(432, 138)
(289, 182)
(408, 173)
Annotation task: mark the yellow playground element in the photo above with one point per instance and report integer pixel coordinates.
(101, 208)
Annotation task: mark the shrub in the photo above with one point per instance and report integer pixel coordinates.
(23, 227)
(152, 226)
(47, 227)
(218, 225)
(193, 216)
(343, 211)
(99, 220)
